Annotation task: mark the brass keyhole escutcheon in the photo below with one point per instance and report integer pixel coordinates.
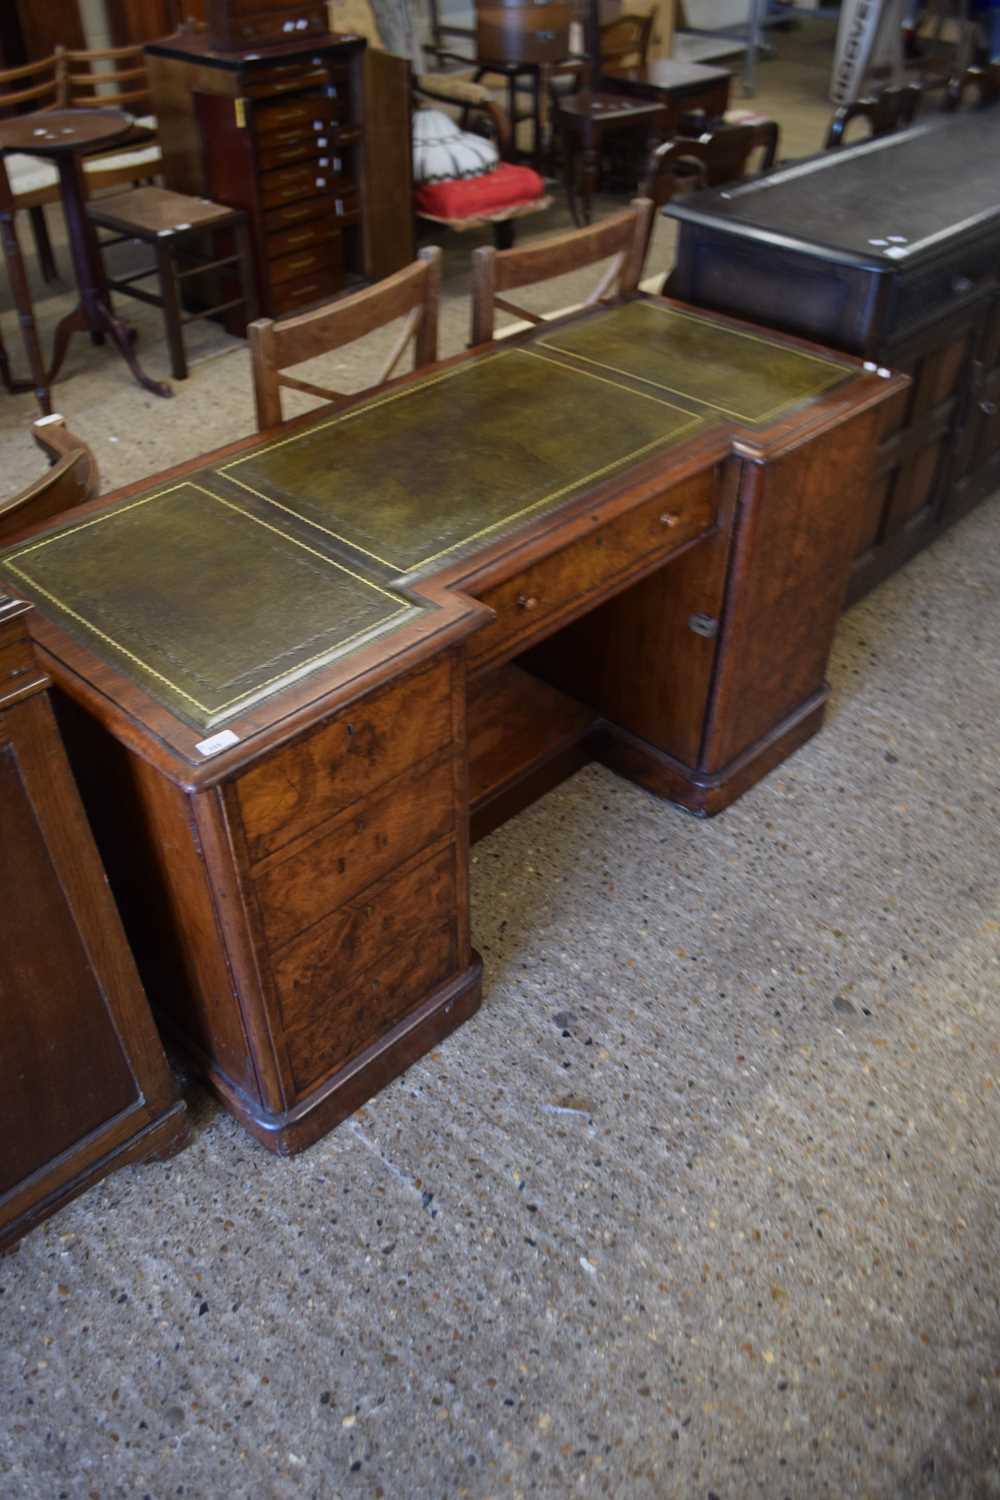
(669, 518)
(527, 601)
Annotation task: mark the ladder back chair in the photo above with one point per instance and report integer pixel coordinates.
(412, 294)
(34, 85)
(892, 108)
(113, 78)
(625, 42)
(707, 160)
(72, 479)
(623, 237)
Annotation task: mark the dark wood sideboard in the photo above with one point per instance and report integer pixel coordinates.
(624, 535)
(311, 138)
(890, 250)
(85, 1084)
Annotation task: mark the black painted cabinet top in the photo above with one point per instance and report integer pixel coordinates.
(884, 204)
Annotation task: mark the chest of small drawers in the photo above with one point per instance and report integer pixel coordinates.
(281, 133)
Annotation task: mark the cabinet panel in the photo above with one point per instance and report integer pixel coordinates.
(61, 1080)
(85, 1082)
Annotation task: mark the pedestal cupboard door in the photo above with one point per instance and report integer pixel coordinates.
(982, 448)
(918, 433)
(64, 1069)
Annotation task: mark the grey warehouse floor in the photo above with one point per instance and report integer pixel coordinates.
(703, 1202)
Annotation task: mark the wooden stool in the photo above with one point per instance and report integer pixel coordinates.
(170, 223)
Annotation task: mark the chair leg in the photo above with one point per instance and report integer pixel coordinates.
(171, 309)
(43, 245)
(503, 234)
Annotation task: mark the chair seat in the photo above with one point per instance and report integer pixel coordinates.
(29, 174)
(152, 211)
(496, 194)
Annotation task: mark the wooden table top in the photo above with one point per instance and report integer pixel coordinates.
(885, 202)
(250, 571)
(589, 106)
(52, 132)
(667, 73)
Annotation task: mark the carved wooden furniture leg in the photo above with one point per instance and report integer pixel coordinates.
(94, 312)
(43, 245)
(25, 311)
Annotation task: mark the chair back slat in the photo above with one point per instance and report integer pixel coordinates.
(412, 293)
(623, 237)
(72, 479)
(46, 93)
(625, 41)
(104, 75)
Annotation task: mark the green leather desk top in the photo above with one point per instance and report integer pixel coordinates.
(225, 587)
(207, 607)
(451, 463)
(742, 375)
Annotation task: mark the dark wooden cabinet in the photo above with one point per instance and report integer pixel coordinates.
(889, 250)
(284, 134)
(86, 1086)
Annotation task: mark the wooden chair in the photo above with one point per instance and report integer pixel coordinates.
(983, 82)
(475, 106)
(72, 479)
(892, 108)
(760, 133)
(33, 183)
(717, 155)
(113, 78)
(625, 42)
(623, 236)
(412, 292)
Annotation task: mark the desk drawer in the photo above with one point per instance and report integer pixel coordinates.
(319, 111)
(302, 291)
(933, 291)
(281, 78)
(323, 259)
(326, 1030)
(288, 184)
(304, 237)
(360, 847)
(365, 931)
(532, 604)
(368, 744)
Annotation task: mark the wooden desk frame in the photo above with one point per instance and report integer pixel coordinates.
(673, 620)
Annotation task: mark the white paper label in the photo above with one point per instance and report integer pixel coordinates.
(221, 741)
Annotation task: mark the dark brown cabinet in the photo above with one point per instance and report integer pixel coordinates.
(889, 250)
(86, 1086)
(283, 134)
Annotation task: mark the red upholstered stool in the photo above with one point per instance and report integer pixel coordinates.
(496, 198)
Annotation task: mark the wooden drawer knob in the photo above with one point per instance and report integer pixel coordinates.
(527, 601)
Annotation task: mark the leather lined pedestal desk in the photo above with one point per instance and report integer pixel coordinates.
(889, 250)
(290, 671)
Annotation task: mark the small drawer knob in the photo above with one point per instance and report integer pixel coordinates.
(527, 601)
(669, 518)
(960, 285)
(988, 408)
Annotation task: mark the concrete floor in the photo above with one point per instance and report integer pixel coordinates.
(703, 1203)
